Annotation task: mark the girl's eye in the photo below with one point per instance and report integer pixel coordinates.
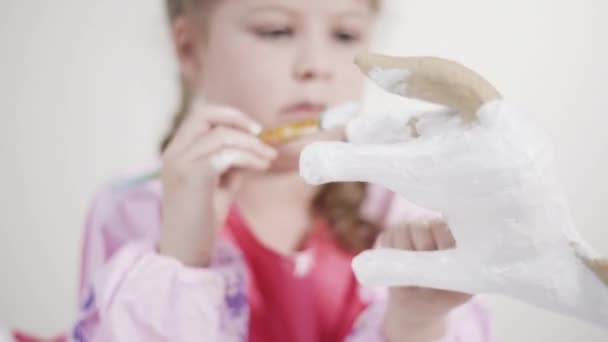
(273, 34)
(346, 37)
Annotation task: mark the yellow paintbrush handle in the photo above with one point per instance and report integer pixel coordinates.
(282, 134)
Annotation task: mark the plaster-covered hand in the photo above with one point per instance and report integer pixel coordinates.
(489, 172)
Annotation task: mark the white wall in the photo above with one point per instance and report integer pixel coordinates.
(86, 86)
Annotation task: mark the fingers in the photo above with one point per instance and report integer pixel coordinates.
(421, 236)
(403, 210)
(419, 254)
(212, 154)
(442, 235)
(233, 158)
(227, 138)
(376, 205)
(226, 148)
(404, 239)
(224, 116)
(204, 118)
(418, 236)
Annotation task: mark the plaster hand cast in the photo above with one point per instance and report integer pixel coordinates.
(488, 170)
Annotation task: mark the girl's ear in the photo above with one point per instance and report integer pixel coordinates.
(188, 46)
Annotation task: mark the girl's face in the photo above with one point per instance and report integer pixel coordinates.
(282, 60)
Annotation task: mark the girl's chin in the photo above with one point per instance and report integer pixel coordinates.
(289, 154)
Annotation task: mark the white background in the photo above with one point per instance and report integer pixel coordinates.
(87, 87)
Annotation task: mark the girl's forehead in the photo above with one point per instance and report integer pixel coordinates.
(304, 6)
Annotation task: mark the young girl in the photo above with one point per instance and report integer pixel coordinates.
(230, 244)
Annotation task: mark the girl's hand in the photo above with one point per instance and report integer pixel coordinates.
(202, 167)
(419, 313)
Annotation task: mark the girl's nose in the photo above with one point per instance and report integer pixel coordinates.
(313, 62)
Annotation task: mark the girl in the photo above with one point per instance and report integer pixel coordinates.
(230, 244)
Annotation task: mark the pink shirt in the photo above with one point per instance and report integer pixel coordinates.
(128, 292)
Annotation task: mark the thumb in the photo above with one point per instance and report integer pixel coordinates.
(443, 270)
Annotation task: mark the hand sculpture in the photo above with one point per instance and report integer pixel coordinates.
(488, 170)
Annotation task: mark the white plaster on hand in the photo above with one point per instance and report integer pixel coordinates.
(493, 181)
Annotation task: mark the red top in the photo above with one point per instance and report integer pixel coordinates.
(311, 296)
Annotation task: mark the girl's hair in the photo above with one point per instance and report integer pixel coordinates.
(339, 203)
